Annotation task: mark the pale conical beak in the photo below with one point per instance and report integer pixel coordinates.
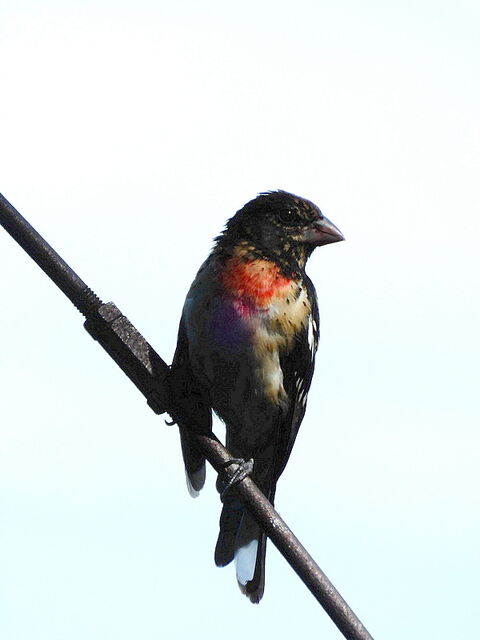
(321, 232)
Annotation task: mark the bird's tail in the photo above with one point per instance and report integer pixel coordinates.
(252, 582)
(241, 539)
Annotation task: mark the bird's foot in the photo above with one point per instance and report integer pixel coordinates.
(244, 469)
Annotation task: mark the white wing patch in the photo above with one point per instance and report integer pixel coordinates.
(196, 481)
(312, 336)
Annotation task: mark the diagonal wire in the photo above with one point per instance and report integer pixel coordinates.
(147, 370)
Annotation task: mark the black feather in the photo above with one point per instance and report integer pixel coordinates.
(298, 366)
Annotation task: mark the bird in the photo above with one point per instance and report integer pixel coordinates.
(246, 349)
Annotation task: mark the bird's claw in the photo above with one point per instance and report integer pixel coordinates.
(244, 469)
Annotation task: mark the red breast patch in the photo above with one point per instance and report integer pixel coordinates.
(254, 281)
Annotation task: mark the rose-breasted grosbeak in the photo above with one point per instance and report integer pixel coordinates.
(246, 349)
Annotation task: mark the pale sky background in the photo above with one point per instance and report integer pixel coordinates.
(129, 133)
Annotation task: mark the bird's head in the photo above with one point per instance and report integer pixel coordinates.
(280, 226)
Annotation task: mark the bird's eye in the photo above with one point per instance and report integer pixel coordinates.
(288, 217)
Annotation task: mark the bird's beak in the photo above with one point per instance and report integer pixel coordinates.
(321, 232)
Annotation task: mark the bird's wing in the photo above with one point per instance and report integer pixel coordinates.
(194, 408)
(297, 367)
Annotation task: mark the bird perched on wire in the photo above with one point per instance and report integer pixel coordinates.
(246, 349)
